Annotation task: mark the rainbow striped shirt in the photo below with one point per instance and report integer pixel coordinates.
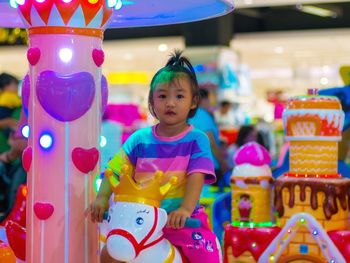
(181, 155)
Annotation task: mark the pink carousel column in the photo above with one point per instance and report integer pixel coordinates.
(64, 107)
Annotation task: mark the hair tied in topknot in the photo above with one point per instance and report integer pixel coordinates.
(176, 59)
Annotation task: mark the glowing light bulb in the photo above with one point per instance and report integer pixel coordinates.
(93, 1)
(118, 5)
(103, 141)
(254, 245)
(66, 1)
(40, 1)
(46, 141)
(302, 220)
(65, 54)
(25, 131)
(315, 232)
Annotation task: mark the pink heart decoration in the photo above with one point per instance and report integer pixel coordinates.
(33, 55)
(252, 153)
(85, 160)
(27, 156)
(99, 56)
(43, 210)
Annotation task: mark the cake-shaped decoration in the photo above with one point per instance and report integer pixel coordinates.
(252, 164)
(251, 185)
(313, 125)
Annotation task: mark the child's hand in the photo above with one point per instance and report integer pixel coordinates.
(177, 218)
(98, 208)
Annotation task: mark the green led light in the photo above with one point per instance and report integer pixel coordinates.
(252, 224)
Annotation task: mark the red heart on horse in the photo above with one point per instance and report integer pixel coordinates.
(27, 156)
(43, 210)
(85, 160)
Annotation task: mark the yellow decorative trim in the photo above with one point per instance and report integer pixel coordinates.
(171, 256)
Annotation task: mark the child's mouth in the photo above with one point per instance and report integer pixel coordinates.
(170, 113)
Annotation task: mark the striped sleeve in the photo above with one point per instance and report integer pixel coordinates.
(201, 159)
(127, 155)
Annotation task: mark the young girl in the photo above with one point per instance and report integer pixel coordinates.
(177, 149)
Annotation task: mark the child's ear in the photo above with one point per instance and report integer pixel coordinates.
(194, 103)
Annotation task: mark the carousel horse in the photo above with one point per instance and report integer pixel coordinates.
(135, 221)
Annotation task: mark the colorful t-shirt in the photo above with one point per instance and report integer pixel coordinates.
(181, 156)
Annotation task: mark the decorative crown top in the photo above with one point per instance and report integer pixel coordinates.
(128, 190)
(92, 14)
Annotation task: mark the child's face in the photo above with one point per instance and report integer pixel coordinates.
(173, 101)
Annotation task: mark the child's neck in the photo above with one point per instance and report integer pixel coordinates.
(170, 130)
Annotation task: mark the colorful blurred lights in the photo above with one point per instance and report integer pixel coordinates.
(20, 2)
(103, 141)
(13, 4)
(66, 54)
(25, 131)
(118, 5)
(46, 141)
(111, 3)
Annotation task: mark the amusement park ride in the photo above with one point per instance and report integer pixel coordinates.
(64, 95)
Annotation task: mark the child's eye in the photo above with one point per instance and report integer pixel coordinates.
(161, 96)
(180, 96)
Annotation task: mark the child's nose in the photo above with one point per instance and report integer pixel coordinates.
(170, 102)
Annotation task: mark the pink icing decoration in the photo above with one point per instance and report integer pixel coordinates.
(43, 210)
(85, 160)
(252, 153)
(98, 56)
(33, 55)
(27, 158)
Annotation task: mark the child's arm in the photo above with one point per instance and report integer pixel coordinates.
(177, 218)
(101, 204)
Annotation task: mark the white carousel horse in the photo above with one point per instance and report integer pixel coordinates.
(135, 234)
(135, 222)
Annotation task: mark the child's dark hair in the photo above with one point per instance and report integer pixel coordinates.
(7, 79)
(177, 66)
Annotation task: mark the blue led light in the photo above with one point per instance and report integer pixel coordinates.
(315, 232)
(46, 140)
(25, 131)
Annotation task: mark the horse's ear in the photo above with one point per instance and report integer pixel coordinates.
(162, 217)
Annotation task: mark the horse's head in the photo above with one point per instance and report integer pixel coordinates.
(132, 228)
(135, 220)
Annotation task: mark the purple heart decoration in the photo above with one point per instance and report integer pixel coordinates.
(85, 159)
(98, 56)
(104, 93)
(65, 97)
(25, 93)
(27, 157)
(33, 55)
